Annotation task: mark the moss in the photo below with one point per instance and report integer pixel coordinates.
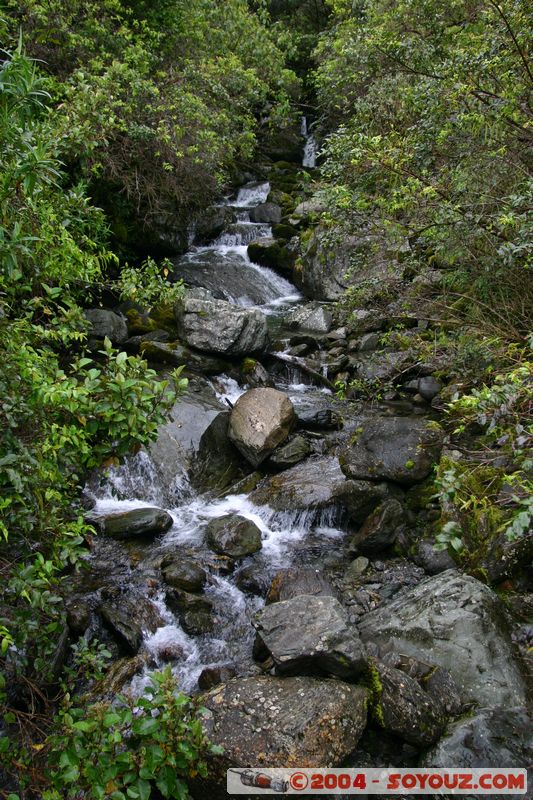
(248, 365)
(409, 464)
(372, 680)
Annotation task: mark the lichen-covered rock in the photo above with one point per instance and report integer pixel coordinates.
(215, 326)
(400, 449)
(310, 633)
(312, 317)
(137, 522)
(402, 707)
(233, 536)
(260, 421)
(454, 621)
(282, 722)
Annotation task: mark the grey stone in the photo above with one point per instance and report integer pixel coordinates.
(233, 536)
(319, 483)
(213, 676)
(496, 737)
(429, 387)
(129, 616)
(380, 529)
(405, 709)
(311, 317)
(260, 421)
(270, 252)
(290, 453)
(310, 633)
(266, 212)
(135, 523)
(401, 449)
(106, 323)
(295, 581)
(454, 621)
(215, 326)
(183, 573)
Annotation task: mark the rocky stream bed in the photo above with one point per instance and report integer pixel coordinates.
(274, 545)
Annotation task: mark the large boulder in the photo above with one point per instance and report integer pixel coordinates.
(215, 326)
(266, 212)
(492, 737)
(260, 421)
(312, 317)
(400, 449)
(233, 536)
(310, 633)
(106, 323)
(318, 483)
(282, 722)
(195, 442)
(454, 621)
(138, 522)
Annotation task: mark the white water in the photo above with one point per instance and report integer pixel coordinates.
(310, 146)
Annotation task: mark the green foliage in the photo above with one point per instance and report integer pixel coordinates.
(130, 748)
(147, 284)
(156, 101)
(431, 104)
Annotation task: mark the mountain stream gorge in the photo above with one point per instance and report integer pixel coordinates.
(295, 586)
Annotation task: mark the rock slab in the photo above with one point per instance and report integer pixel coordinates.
(310, 633)
(260, 421)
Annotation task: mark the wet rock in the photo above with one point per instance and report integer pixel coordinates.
(318, 483)
(290, 453)
(252, 579)
(212, 222)
(270, 252)
(292, 582)
(136, 523)
(233, 536)
(325, 419)
(215, 326)
(128, 617)
(182, 573)
(106, 323)
(260, 421)
(195, 611)
(380, 529)
(194, 441)
(266, 212)
(255, 375)
(282, 722)
(311, 317)
(310, 633)
(403, 708)
(490, 738)
(214, 676)
(401, 449)
(118, 675)
(78, 615)
(454, 621)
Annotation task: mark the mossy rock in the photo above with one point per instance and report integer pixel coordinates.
(163, 317)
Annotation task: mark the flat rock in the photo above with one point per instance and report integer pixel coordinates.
(400, 449)
(292, 582)
(310, 633)
(454, 621)
(260, 421)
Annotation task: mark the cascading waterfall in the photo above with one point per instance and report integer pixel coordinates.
(310, 146)
(299, 536)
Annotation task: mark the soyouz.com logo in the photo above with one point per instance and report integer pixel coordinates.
(377, 781)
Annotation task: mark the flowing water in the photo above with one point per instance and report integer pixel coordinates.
(301, 537)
